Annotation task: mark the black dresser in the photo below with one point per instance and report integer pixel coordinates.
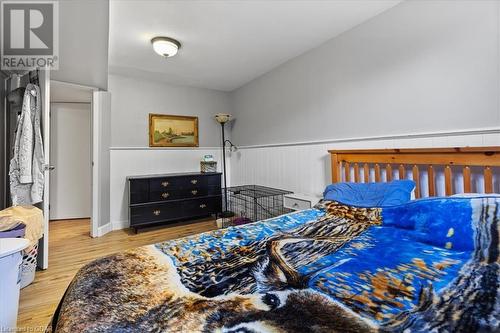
(156, 199)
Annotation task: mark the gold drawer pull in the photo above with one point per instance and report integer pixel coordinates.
(165, 195)
(156, 212)
(164, 184)
(203, 206)
(194, 192)
(194, 181)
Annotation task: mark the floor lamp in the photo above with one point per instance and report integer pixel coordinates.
(223, 118)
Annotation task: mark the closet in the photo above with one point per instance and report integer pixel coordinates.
(13, 89)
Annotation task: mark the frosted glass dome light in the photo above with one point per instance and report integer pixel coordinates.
(165, 46)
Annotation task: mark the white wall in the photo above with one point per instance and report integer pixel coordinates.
(420, 66)
(429, 68)
(132, 100)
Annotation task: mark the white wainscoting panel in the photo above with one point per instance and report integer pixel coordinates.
(305, 167)
(144, 161)
(299, 167)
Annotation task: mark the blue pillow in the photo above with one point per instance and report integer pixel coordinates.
(393, 193)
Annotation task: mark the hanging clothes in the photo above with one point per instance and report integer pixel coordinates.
(26, 166)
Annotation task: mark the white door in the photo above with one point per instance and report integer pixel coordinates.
(101, 138)
(70, 181)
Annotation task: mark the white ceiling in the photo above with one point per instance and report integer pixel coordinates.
(226, 44)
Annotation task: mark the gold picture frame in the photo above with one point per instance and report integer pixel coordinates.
(173, 131)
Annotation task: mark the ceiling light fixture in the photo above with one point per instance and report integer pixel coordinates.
(165, 46)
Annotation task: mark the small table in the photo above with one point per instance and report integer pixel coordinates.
(299, 201)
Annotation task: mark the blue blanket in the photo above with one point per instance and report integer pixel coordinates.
(392, 193)
(426, 266)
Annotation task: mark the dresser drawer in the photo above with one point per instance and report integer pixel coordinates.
(161, 184)
(203, 206)
(155, 213)
(193, 182)
(196, 192)
(165, 195)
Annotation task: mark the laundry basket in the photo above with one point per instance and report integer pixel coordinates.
(28, 265)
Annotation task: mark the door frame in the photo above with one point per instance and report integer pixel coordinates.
(94, 146)
(43, 260)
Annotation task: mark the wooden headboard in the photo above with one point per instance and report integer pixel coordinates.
(347, 163)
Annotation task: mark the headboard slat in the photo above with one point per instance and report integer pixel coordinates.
(402, 171)
(488, 180)
(347, 171)
(416, 179)
(377, 173)
(388, 172)
(366, 172)
(431, 181)
(448, 185)
(433, 159)
(467, 180)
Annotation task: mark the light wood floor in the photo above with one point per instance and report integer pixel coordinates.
(70, 247)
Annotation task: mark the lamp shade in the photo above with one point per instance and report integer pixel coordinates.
(222, 117)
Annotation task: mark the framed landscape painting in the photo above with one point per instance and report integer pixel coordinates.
(173, 131)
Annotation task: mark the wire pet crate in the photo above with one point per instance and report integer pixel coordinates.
(254, 202)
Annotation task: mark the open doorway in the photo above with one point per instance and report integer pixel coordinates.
(70, 152)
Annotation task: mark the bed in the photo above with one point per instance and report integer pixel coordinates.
(426, 265)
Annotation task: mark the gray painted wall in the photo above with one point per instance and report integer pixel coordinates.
(83, 42)
(134, 99)
(421, 66)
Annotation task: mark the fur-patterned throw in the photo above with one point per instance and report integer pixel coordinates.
(427, 266)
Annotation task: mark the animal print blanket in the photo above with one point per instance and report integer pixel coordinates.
(430, 265)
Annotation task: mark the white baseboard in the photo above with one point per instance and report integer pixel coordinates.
(102, 230)
(118, 225)
(111, 226)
